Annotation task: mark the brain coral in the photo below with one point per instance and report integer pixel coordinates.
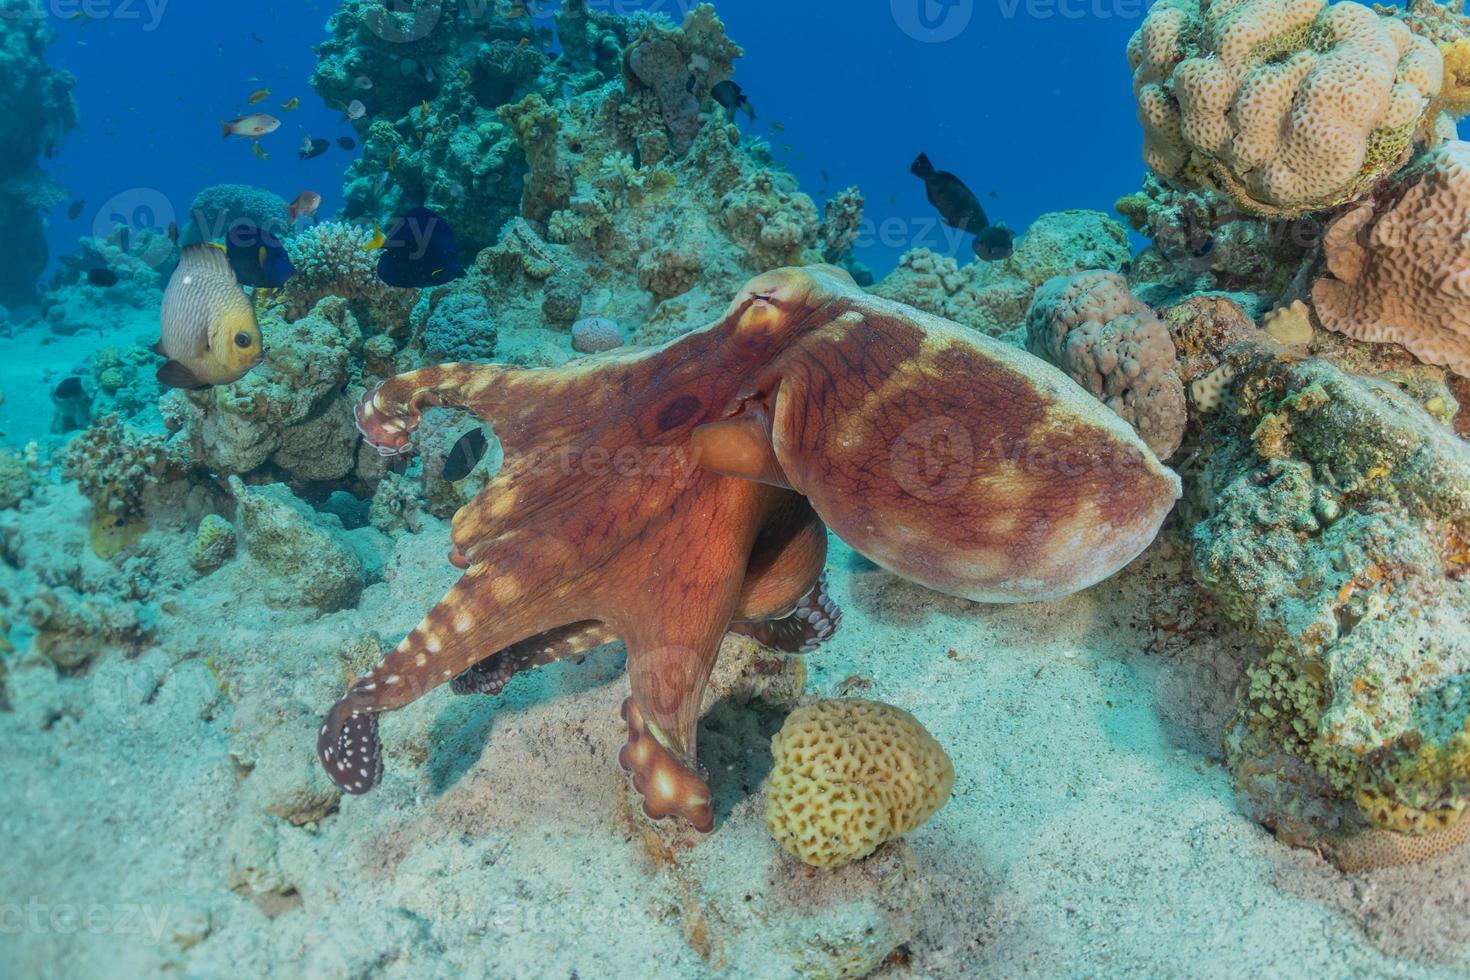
(1091, 326)
(850, 774)
(1287, 106)
(1402, 275)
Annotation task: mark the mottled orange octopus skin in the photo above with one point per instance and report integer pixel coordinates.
(662, 496)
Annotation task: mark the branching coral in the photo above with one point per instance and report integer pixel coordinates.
(1091, 326)
(1401, 274)
(1286, 107)
(116, 465)
(334, 258)
(850, 774)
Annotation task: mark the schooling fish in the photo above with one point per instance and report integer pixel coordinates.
(313, 148)
(465, 455)
(956, 203)
(994, 243)
(729, 95)
(291, 105)
(256, 256)
(253, 126)
(347, 142)
(209, 333)
(102, 277)
(305, 205)
(257, 97)
(419, 252)
(260, 152)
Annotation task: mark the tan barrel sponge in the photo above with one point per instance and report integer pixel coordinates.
(1287, 106)
(848, 775)
(1401, 274)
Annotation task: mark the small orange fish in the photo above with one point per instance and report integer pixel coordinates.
(305, 205)
(377, 240)
(424, 111)
(257, 97)
(253, 126)
(525, 42)
(291, 106)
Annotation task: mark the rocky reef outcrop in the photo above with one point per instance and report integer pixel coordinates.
(36, 111)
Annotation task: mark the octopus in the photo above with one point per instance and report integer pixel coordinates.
(664, 497)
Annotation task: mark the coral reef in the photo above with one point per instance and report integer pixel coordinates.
(1091, 326)
(71, 303)
(992, 297)
(116, 466)
(1396, 271)
(334, 258)
(1332, 514)
(216, 210)
(36, 111)
(292, 411)
(1286, 108)
(850, 774)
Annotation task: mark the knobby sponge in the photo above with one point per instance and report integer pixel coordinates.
(1402, 274)
(1287, 106)
(848, 775)
(1092, 327)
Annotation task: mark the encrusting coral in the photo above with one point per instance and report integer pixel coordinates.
(1398, 272)
(1285, 107)
(1092, 327)
(848, 775)
(1332, 513)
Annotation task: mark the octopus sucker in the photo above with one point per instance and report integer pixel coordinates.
(666, 497)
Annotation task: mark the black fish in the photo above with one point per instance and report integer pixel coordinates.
(102, 277)
(956, 203)
(465, 455)
(313, 148)
(257, 256)
(419, 252)
(994, 243)
(124, 237)
(75, 211)
(347, 142)
(728, 94)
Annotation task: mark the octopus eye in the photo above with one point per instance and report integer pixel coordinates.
(762, 297)
(242, 339)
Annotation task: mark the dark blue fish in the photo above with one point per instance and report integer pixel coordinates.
(257, 256)
(75, 211)
(419, 251)
(994, 243)
(102, 277)
(313, 148)
(347, 142)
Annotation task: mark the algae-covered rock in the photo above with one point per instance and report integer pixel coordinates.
(1333, 515)
(307, 563)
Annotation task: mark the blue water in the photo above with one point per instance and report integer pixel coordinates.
(1027, 100)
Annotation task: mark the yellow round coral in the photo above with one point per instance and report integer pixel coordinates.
(848, 775)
